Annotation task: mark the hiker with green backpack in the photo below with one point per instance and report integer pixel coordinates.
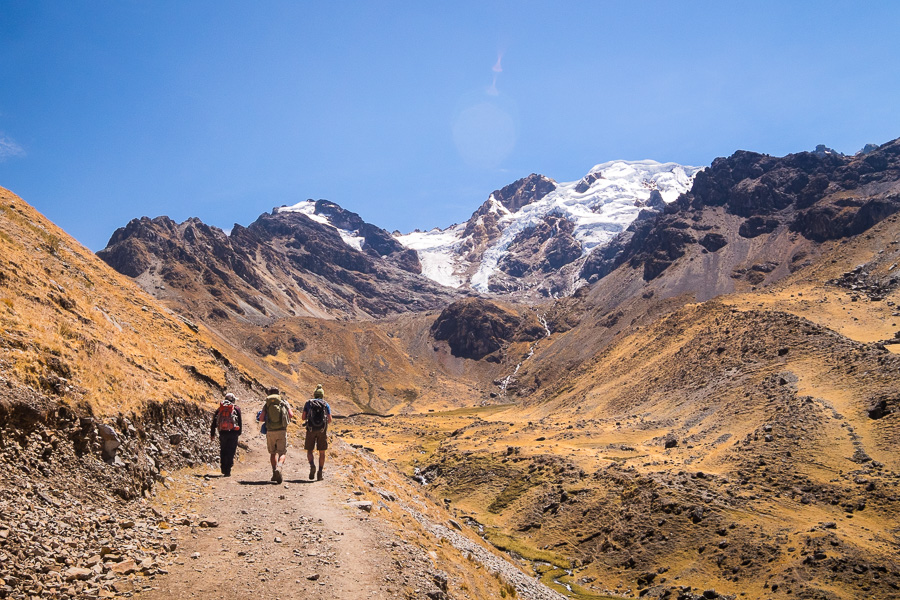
(275, 416)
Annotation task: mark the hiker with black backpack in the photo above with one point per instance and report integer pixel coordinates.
(275, 415)
(317, 415)
(227, 421)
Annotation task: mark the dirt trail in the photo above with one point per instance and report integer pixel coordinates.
(299, 539)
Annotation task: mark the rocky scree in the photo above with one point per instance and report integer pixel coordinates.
(71, 523)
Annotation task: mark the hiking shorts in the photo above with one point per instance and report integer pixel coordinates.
(316, 438)
(276, 441)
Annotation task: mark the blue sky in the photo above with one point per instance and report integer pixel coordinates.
(411, 113)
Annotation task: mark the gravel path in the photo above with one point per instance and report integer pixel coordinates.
(304, 539)
(294, 540)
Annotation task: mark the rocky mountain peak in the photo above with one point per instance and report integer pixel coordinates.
(484, 226)
(494, 250)
(295, 261)
(524, 191)
(354, 230)
(822, 150)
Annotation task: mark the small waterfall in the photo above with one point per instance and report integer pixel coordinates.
(505, 383)
(543, 321)
(417, 475)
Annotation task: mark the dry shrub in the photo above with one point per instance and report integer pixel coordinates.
(67, 331)
(507, 590)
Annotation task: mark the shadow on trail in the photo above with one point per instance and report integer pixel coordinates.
(268, 482)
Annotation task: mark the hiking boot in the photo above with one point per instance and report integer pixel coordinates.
(274, 471)
(319, 475)
(277, 476)
(312, 471)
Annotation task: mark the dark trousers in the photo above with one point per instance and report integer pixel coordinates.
(228, 441)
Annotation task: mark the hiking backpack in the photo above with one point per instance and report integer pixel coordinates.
(225, 418)
(315, 414)
(276, 413)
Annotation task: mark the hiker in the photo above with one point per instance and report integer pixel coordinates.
(227, 421)
(317, 415)
(276, 414)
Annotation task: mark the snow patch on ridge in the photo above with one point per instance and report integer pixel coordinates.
(497, 206)
(308, 208)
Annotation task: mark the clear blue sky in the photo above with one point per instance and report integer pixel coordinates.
(400, 111)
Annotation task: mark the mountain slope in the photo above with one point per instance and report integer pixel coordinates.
(296, 261)
(752, 199)
(77, 330)
(718, 410)
(739, 449)
(102, 392)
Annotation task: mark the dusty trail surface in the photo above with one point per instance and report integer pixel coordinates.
(299, 539)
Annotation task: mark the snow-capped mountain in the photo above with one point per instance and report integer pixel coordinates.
(535, 233)
(529, 238)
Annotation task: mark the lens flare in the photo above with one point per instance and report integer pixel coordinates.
(484, 134)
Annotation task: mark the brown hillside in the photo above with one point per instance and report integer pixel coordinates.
(743, 450)
(405, 363)
(76, 330)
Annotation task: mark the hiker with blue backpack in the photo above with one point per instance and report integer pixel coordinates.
(227, 421)
(275, 416)
(317, 415)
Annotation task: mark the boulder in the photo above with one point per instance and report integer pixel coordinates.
(365, 505)
(110, 440)
(713, 242)
(126, 567)
(77, 574)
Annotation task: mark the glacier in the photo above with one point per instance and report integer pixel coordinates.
(617, 192)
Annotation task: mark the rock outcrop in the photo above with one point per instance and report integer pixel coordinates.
(484, 225)
(475, 328)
